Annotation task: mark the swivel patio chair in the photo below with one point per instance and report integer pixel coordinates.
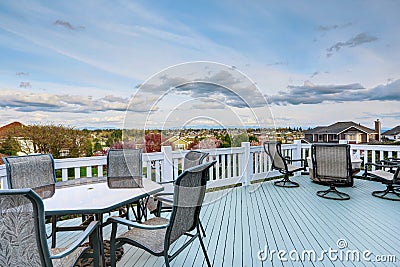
(283, 164)
(125, 170)
(23, 234)
(157, 234)
(332, 164)
(386, 173)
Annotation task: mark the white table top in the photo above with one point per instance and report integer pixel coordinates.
(95, 198)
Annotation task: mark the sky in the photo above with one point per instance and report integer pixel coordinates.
(288, 63)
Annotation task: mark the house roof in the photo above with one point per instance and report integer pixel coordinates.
(394, 131)
(338, 128)
(10, 128)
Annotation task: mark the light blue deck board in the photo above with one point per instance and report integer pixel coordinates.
(241, 221)
(292, 229)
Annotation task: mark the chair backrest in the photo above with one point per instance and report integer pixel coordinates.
(22, 229)
(124, 168)
(189, 191)
(32, 171)
(273, 150)
(396, 177)
(193, 158)
(331, 161)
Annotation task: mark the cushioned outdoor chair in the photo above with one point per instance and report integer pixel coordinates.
(283, 164)
(386, 172)
(165, 199)
(157, 234)
(32, 171)
(125, 170)
(36, 172)
(332, 164)
(23, 234)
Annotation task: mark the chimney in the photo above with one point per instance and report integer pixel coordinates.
(378, 130)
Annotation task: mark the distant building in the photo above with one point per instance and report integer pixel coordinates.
(392, 134)
(353, 133)
(10, 129)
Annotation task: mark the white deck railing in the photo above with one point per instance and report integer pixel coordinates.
(238, 165)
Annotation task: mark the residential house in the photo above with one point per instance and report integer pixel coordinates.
(353, 133)
(177, 143)
(392, 134)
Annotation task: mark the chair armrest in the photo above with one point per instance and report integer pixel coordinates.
(298, 160)
(126, 222)
(167, 182)
(389, 162)
(381, 165)
(92, 227)
(161, 197)
(163, 194)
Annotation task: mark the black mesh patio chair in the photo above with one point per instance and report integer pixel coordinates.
(157, 234)
(332, 164)
(23, 234)
(125, 170)
(386, 172)
(283, 164)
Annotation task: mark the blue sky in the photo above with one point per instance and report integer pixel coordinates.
(316, 62)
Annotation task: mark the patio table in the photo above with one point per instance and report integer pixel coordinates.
(96, 198)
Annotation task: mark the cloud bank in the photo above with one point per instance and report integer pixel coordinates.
(310, 93)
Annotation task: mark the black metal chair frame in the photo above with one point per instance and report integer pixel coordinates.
(331, 180)
(287, 161)
(392, 191)
(115, 242)
(91, 231)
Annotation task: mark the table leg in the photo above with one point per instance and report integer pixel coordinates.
(53, 231)
(99, 218)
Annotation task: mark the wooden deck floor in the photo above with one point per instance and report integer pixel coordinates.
(241, 221)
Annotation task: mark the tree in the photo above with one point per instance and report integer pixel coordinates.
(152, 142)
(53, 139)
(208, 143)
(97, 146)
(238, 139)
(9, 146)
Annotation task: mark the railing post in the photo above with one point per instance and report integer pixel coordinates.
(247, 164)
(3, 181)
(297, 151)
(167, 170)
(3, 177)
(296, 154)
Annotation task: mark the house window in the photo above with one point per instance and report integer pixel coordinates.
(354, 137)
(335, 137)
(320, 138)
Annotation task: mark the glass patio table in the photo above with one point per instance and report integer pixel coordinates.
(95, 198)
